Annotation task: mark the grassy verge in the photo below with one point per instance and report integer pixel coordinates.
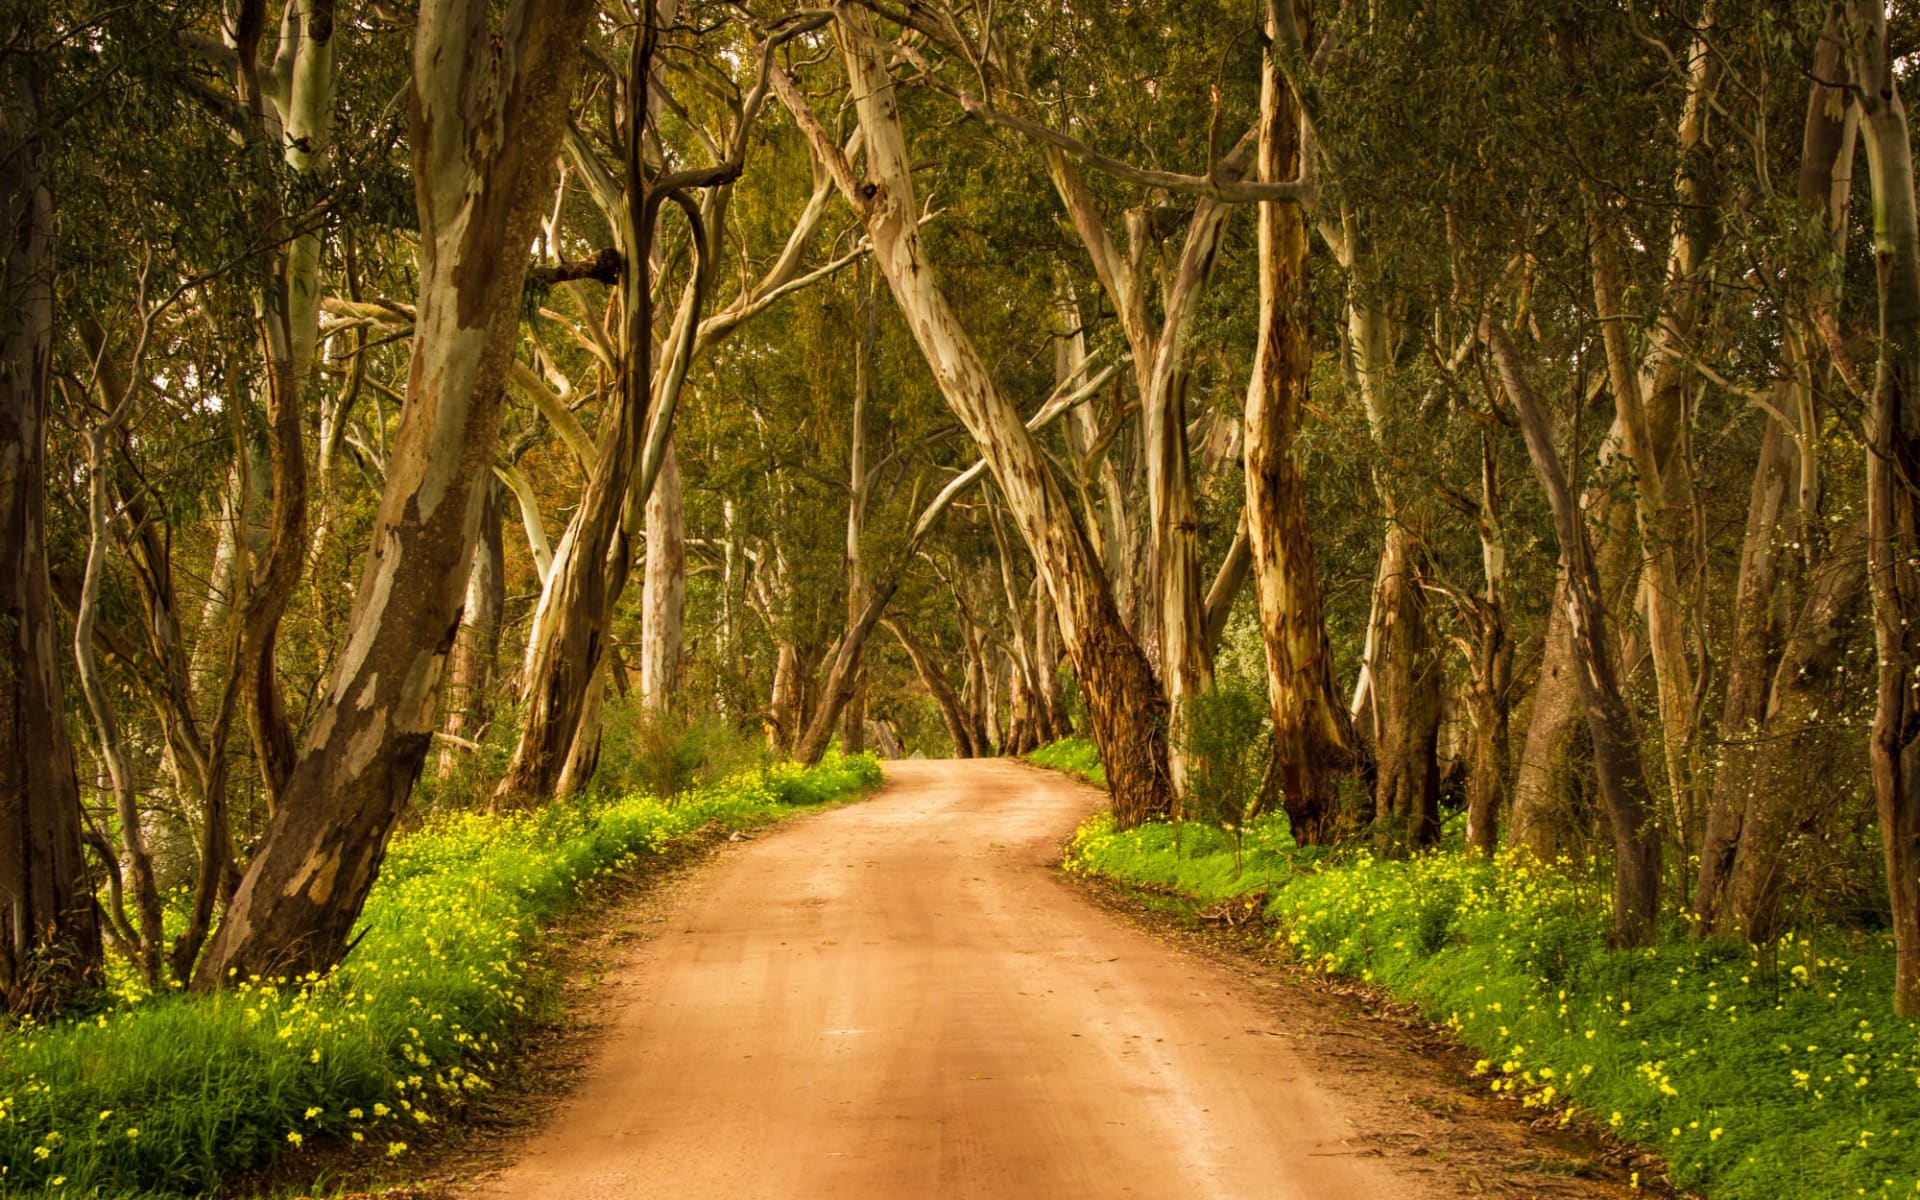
(172, 1094)
(1072, 756)
(1758, 1074)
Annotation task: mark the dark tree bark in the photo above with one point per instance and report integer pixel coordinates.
(50, 948)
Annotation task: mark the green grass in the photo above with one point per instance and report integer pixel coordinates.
(173, 1094)
(1072, 756)
(1758, 1074)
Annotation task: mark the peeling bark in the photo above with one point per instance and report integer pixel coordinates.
(487, 112)
(1313, 738)
(1125, 701)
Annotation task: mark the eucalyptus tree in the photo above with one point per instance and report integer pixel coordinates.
(488, 106)
(50, 946)
(1893, 452)
(1313, 744)
(1125, 701)
(567, 644)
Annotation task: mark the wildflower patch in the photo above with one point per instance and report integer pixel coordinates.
(170, 1094)
(1757, 1073)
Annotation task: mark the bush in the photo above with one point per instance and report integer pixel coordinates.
(1223, 735)
(175, 1094)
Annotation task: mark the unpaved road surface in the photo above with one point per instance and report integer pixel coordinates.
(903, 998)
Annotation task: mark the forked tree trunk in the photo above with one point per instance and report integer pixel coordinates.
(1616, 747)
(1893, 507)
(1750, 660)
(1313, 737)
(479, 195)
(1128, 710)
(50, 948)
(572, 621)
(1543, 777)
(1660, 535)
(1403, 693)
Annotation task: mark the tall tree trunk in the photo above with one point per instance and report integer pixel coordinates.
(50, 948)
(1046, 664)
(476, 648)
(1128, 709)
(978, 692)
(1789, 746)
(1750, 661)
(1490, 665)
(571, 623)
(1893, 508)
(295, 122)
(1313, 738)
(1402, 694)
(479, 197)
(859, 488)
(1406, 703)
(1660, 534)
(663, 597)
(149, 942)
(1784, 481)
(1616, 747)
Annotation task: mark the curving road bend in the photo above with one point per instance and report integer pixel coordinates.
(902, 998)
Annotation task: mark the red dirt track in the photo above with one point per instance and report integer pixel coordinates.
(904, 998)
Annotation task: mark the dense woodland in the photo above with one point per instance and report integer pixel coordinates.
(423, 405)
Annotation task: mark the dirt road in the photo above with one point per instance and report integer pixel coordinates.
(903, 998)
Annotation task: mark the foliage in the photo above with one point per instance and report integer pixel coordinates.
(175, 1094)
(1224, 736)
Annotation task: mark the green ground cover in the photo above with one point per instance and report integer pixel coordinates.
(1072, 756)
(1758, 1073)
(169, 1094)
